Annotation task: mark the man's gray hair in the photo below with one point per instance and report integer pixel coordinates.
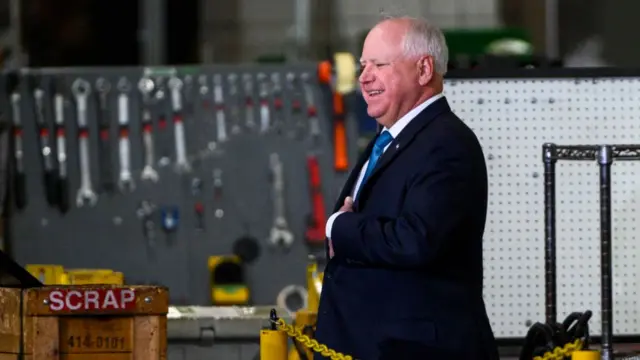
(424, 38)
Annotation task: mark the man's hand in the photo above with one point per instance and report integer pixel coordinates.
(348, 204)
(346, 207)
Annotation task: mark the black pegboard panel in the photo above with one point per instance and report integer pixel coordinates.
(110, 234)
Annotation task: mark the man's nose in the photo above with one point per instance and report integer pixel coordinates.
(365, 75)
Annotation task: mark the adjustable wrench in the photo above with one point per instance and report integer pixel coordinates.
(280, 233)
(125, 178)
(182, 163)
(250, 121)
(232, 79)
(61, 147)
(218, 101)
(146, 87)
(20, 177)
(81, 90)
(265, 110)
(278, 118)
(312, 111)
(103, 88)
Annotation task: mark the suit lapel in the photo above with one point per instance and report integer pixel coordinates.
(353, 176)
(407, 135)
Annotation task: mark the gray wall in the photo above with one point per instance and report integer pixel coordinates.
(241, 30)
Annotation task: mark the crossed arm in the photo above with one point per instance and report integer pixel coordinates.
(435, 205)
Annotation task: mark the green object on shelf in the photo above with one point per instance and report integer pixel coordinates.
(271, 59)
(474, 43)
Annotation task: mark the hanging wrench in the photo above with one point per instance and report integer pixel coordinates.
(265, 110)
(125, 178)
(103, 88)
(250, 121)
(297, 128)
(312, 111)
(20, 177)
(218, 101)
(280, 233)
(278, 118)
(232, 79)
(146, 87)
(81, 90)
(61, 147)
(182, 163)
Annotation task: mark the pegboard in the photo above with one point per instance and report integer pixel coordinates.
(111, 234)
(513, 118)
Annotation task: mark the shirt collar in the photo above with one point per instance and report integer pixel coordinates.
(406, 119)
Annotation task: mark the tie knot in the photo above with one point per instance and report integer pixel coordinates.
(383, 140)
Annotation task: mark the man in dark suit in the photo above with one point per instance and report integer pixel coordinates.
(404, 276)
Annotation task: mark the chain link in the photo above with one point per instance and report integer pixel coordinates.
(561, 352)
(310, 343)
(558, 353)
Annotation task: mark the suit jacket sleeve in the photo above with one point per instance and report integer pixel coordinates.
(435, 204)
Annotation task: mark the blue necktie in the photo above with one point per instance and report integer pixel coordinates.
(378, 148)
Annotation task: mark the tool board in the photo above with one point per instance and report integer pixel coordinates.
(159, 222)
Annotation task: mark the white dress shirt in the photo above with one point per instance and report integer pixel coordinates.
(395, 130)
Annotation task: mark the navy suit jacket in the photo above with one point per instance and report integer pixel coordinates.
(406, 278)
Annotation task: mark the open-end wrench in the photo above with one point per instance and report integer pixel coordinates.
(146, 87)
(280, 234)
(249, 112)
(278, 116)
(312, 111)
(44, 139)
(61, 146)
(20, 177)
(232, 80)
(265, 109)
(125, 178)
(218, 102)
(182, 163)
(161, 114)
(86, 195)
(297, 127)
(103, 88)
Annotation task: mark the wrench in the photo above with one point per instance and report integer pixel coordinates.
(103, 88)
(250, 121)
(61, 147)
(264, 103)
(125, 178)
(280, 233)
(20, 177)
(296, 110)
(312, 112)
(278, 118)
(232, 79)
(218, 101)
(182, 163)
(146, 87)
(81, 90)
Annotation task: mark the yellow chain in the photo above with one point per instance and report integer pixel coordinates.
(561, 352)
(310, 343)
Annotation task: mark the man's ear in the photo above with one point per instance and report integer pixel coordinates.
(425, 70)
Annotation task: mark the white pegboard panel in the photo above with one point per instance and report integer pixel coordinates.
(513, 118)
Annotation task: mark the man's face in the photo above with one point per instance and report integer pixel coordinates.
(389, 80)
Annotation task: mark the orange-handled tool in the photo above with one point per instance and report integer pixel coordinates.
(341, 157)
